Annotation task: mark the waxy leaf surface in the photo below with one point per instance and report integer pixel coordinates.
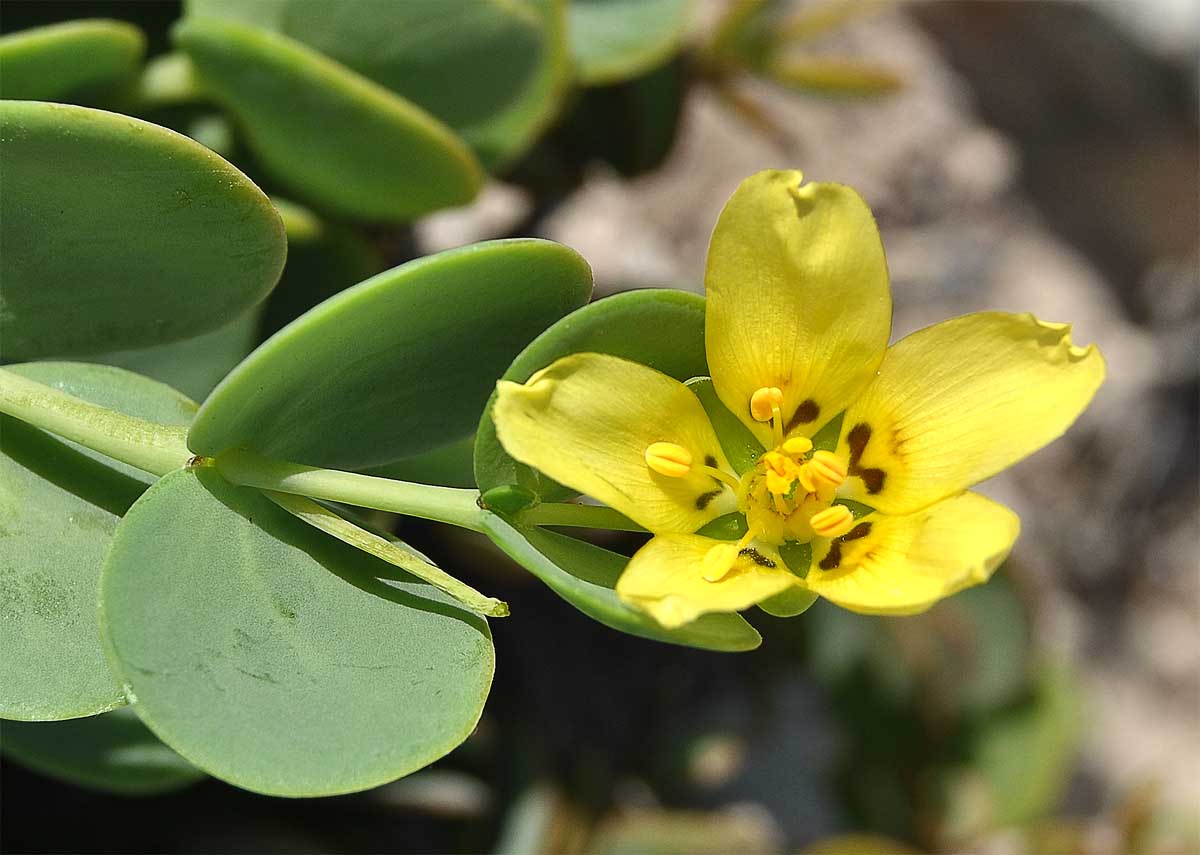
(52, 63)
(662, 329)
(396, 365)
(115, 233)
(337, 139)
(492, 71)
(614, 40)
(59, 506)
(113, 753)
(277, 658)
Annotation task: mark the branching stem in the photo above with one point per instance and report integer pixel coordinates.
(156, 448)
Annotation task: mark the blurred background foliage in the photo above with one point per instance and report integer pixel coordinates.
(1019, 155)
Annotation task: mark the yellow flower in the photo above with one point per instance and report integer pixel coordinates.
(797, 325)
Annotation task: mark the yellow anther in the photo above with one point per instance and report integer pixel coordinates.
(826, 469)
(834, 521)
(779, 485)
(798, 445)
(718, 561)
(669, 458)
(764, 402)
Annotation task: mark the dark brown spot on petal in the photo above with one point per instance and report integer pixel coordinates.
(873, 478)
(710, 460)
(705, 499)
(860, 530)
(757, 557)
(857, 440)
(805, 414)
(834, 557)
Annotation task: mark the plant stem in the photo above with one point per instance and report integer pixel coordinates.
(327, 521)
(440, 504)
(574, 515)
(156, 448)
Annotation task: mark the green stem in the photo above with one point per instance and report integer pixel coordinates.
(441, 504)
(327, 521)
(577, 516)
(156, 448)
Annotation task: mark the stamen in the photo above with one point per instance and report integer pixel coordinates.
(718, 561)
(765, 402)
(827, 469)
(722, 476)
(669, 458)
(777, 425)
(798, 445)
(834, 521)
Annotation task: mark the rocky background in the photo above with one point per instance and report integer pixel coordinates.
(1038, 157)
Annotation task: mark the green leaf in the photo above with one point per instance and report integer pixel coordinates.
(115, 233)
(741, 446)
(323, 259)
(615, 40)
(334, 137)
(585, 575)
(113, 753)
(458, 59)
(277, 658)
(396, 365)
(631, 125)
(660, 328)
(513, 129)
(448, 466)
(1025, 753)
(56, 62)
(493, 71)
(59, 505)
(194, 366)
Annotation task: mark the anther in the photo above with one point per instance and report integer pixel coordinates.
(827, 469)
(718, 561)
(669, 458)
(798, 445)
(834, 521)
(765, 402)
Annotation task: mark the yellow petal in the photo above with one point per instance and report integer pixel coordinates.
(905, 564)
(798, 299)
(957, 402)
(665, 578)
(587, 421)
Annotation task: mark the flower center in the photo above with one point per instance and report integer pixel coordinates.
(789, 494)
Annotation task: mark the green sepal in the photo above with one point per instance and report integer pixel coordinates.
(857, 509)
(790, 603)
(737, 441)
(826, 439)
(585, 576)
(797, 557)
(730, 526)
